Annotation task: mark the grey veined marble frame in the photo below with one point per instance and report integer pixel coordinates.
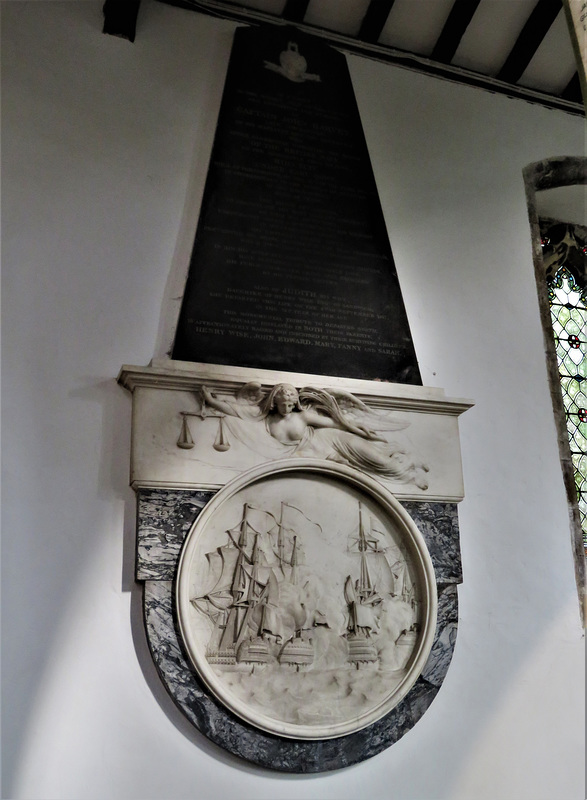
(306, 599)
(180, 512)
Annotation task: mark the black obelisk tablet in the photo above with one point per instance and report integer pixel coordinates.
(291, 267)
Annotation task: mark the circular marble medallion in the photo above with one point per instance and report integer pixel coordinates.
(306, 599)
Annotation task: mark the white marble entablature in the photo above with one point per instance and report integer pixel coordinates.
(174, 445)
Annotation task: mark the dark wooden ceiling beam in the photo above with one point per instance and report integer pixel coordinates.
(455, 26)
(295, 10)
(120, 18)
(572, 90)
(389, 55)
(374, 20)
(537, 26)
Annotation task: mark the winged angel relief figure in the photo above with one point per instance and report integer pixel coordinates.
(333, 425)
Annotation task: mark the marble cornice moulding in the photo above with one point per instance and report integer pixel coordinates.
(200, 425)
(187, 375)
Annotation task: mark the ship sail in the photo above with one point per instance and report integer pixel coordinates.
(294, 562)
(239, 588)
(382, 575)
(376, 573)
(256, 593)
(365, 585)
(362, 600)
(222, 563)
(349, 591)
(218, 597)
(269, 617)
(281, 541)
(241, 593)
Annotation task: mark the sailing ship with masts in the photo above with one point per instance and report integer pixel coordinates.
(365, 595)
(259, 615)
(243, 602)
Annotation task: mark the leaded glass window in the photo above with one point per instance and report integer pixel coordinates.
(565, 256)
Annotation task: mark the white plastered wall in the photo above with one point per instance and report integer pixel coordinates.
(105, 146)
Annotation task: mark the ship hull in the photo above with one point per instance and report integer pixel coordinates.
(297, 653)
(362, 651)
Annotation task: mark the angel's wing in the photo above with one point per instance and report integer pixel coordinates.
(349, 407)
(344, 399)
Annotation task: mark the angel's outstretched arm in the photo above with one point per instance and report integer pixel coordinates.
(220, 405)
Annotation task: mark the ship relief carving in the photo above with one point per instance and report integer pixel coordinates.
(306, 611)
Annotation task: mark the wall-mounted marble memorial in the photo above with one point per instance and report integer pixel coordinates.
(306, 599)
(299, 548)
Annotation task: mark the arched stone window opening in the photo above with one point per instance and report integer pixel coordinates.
(560, 262)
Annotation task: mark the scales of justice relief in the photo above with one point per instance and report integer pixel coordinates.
(185, 441)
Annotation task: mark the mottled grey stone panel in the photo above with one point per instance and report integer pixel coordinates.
(164, 518)
(439, 525)
(440, 656)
